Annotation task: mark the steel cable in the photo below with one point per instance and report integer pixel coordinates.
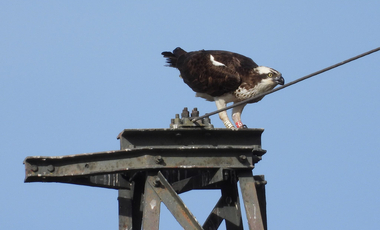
(288, 84)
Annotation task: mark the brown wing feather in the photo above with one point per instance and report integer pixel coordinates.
(202, 76)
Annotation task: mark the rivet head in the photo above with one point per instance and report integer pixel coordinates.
(34, 168)
(50, 168)
(157, 182)
(242, 158)
(159, 159)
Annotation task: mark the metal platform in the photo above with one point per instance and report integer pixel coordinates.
(155, 165)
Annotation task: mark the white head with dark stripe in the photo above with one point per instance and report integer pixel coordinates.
(270, 74)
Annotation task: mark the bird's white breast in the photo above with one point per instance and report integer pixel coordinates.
(242, 93)
(265, 85)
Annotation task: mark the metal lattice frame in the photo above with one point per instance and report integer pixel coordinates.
(153, 166)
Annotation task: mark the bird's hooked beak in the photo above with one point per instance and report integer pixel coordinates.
(279, 80)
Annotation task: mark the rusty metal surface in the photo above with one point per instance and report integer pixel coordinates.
(125, 198)
(202, 179)
(52, 168)
(227, 208)
(151, 206)
(232, 210)
(261, 196)
(173, 202)
(215, 218)
(251, 201)
(152, 149)
(154, 165)
(137, 138)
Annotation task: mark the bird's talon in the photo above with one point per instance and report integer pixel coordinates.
(228, 125)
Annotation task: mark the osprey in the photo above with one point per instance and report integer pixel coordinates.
(223, 77)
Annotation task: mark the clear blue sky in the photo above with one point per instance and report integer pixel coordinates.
(73, 74)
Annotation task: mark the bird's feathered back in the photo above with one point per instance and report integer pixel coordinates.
(213, 77)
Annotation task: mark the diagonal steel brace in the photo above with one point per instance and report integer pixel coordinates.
(173, 202)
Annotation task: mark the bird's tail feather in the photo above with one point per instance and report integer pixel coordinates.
(172, 58)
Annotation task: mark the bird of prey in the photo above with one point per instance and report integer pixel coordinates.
(223, 77)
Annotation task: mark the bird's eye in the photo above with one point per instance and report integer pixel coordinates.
(270, 74)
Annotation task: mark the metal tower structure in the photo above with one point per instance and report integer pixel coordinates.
(154, 166)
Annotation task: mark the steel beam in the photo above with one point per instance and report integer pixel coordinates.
(125, 199)
(227, 208)
(215, 218)
(232, 211)
(173, 202)
(260, 183)
(151, 205)
(136, 138)
(53, 168)
(251, 201)
(204, 179)
(155, 165)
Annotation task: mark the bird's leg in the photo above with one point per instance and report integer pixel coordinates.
(236, 116)
(220, 104)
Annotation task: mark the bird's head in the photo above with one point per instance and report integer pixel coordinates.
(270, 74)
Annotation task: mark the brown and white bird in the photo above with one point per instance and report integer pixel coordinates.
(223, 77)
